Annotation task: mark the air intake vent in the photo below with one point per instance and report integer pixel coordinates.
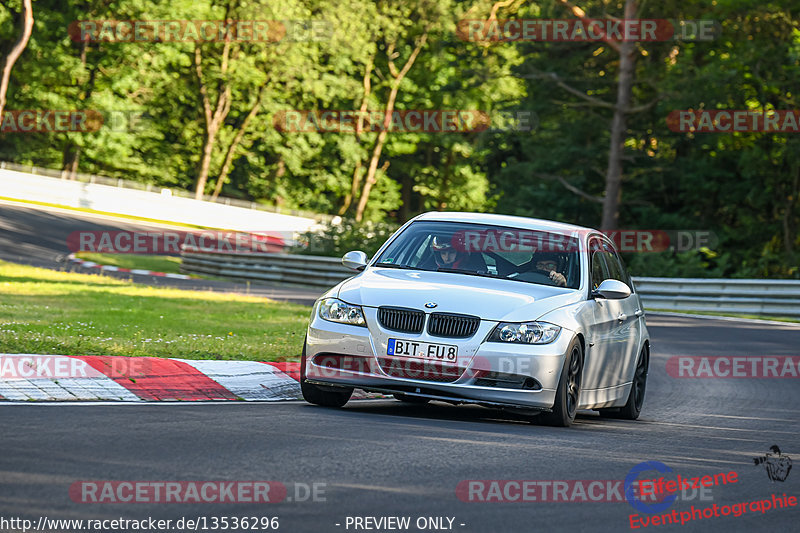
(399, 319)
(457, 326)
(423, 370)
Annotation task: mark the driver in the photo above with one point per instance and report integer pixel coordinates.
(547, 266)
(445, 255)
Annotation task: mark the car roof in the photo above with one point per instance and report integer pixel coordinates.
(506, 220)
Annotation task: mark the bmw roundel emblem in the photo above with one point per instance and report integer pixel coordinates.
(430, 305)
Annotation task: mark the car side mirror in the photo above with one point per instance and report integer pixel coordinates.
(356, 260)
(612, 289)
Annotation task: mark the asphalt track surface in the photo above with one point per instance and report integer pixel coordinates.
(383, 458)
(37, 236)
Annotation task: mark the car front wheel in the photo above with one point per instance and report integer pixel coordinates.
(569, 388)
(635, 401)
(326, 397)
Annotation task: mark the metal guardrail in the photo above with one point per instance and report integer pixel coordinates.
(271, 267)
(745, 296)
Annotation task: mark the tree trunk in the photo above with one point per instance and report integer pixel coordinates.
(69, 168)
(205, 163)
(356, 182)
(789, 218)
(627, 62)
(406, 186)
(445, 185)
(72, 153)
(213, 119)
(372, 176)
(226, 166)
(26, 17)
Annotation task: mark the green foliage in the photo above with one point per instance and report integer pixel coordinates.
(743, 186)
(671, 264)
(335, 240)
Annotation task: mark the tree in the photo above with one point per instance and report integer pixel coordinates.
(627, 64)
(25, 17)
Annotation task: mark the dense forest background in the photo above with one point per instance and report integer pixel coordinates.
(200, 116)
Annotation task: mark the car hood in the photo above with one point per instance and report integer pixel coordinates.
(488, 298)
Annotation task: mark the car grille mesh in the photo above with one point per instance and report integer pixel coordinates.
(449, 325)
(405, 320)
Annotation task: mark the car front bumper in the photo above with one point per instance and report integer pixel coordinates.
(353, 356)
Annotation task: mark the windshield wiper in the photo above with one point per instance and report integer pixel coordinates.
(394, 265)
(466, 271)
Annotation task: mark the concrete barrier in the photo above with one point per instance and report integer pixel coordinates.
(160, 204)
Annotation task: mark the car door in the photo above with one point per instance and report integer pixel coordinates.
(628, 328)
(601, 342)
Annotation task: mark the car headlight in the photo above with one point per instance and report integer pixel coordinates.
(336, 310)
(525, 332)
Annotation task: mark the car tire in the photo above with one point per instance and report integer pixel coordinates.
(318, 395)
(569, 388)
(326, 398)
(411, 399)
(633, 407)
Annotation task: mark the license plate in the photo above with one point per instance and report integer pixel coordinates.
(424, 350)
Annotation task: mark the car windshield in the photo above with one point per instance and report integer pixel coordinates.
(531, 256)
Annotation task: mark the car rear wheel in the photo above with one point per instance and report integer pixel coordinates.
(411, 399)
(569, 388)
(326, 397)
(635, 401)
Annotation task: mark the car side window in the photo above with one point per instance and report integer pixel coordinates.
(616, 269)
(598, 263)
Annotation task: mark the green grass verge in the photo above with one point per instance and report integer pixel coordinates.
(732, 315)
(48, 312)
(156, 263)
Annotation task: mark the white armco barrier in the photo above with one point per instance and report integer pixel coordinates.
(156, 205)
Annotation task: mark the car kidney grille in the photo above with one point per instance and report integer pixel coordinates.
(405, 320)
(448, 325)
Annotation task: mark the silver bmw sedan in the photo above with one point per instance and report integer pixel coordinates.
(507, 312)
